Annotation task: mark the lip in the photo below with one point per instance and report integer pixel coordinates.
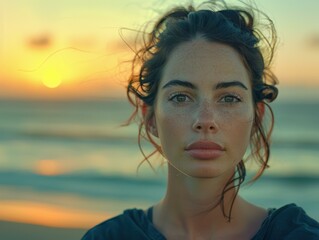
(204, 150)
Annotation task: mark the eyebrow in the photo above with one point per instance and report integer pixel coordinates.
(219, 85)
(230, 84)
(176, 82)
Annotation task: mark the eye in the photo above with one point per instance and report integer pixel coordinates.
(179, 98)
(230, 99)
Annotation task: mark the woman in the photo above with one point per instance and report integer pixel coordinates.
(201, 83)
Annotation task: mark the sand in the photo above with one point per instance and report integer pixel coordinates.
(17, 231)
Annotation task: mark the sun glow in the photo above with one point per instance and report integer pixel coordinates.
(49, 167)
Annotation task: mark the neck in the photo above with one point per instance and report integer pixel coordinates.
(192, 202)
(194, 195)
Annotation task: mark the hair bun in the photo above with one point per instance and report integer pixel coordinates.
(266, 92)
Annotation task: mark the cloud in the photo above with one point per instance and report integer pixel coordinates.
(313, 41)
(43, 40)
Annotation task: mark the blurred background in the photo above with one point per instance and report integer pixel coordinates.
(65, 162)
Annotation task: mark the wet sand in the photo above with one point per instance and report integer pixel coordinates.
(16, 231)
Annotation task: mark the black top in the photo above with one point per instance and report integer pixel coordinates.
(289, 222)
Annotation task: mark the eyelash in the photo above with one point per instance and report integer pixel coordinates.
(235, 98)
(173, 97)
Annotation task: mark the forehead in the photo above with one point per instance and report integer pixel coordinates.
(200, 60)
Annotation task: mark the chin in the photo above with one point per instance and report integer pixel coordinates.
(205, 173)
(206, 170)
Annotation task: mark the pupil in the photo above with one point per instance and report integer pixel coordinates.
(180, 98)
(228, 99)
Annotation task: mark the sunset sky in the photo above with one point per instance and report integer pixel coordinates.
(72, 49)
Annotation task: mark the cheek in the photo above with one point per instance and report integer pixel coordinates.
(243, 132)
(238, 130)
(235, 116)
(171, 125)
(238, 139)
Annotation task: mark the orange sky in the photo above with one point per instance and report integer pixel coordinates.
(72, 49)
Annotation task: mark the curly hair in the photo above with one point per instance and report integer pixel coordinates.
(214, 22)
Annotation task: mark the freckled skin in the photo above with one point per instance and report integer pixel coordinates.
(229, 124)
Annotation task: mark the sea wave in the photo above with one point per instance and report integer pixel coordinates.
(297, 143)
(70, 135)
(89, 185)
(119, 186)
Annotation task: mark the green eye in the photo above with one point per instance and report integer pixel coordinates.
(230, 99)
(179, 98)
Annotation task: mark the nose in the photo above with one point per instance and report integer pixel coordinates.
(205, 119)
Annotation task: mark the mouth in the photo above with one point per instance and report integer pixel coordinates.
(205, 150)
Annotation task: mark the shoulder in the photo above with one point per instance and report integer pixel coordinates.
(131, 221)
(289, 222)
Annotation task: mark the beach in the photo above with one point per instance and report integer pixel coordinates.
(15, 231)
(39, 221)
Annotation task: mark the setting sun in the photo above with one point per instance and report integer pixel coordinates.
(51, 79)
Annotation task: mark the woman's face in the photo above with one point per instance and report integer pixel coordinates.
(203, 113)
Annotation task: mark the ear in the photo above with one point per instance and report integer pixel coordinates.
(151, 126)
(149, 119)
(261, 110)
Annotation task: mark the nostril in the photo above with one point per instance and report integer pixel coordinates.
(207, 126)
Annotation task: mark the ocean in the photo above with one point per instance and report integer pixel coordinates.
(75, 155)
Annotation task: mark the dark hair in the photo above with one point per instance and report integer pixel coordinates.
(235, 27)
